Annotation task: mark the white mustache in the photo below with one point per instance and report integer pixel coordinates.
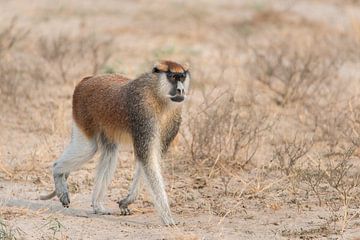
(171, 96)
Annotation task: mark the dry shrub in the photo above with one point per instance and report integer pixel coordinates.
(336, 125)
(341, 174)
(20, 74)
(342, 170)
(225, 133)
(290, 152)
(10, 35)
(335, 180)
(302, 81)
(23, 72)
(10, 71)
(330, 168)
(351, 122)
(293, 74)
(67, 53)
(266, 17)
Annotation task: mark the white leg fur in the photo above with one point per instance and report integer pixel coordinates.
(156, 184)
(105, 171)
(135, 184)
(79, 151)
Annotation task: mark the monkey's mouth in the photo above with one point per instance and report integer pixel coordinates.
(177, 98)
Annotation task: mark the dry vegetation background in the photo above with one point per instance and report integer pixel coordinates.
(269, 146)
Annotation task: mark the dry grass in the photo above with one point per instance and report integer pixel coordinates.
(223, 132)
(293, 74)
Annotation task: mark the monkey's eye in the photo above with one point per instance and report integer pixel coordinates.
(170, 75)
(180, 77)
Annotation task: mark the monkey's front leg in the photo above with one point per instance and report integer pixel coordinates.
(157, 188)
(154, 178)
(147, 146)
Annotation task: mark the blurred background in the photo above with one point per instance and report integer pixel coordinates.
(269, 146)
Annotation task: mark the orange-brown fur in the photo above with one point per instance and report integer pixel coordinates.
(98, 104)
(171, 66)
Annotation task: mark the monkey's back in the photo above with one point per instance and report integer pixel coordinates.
(99, 105)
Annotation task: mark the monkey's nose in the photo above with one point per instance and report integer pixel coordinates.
(180, 92)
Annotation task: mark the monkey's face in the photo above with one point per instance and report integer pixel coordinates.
(178, 85)
(174, 80)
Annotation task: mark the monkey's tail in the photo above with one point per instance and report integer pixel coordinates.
(48, 196)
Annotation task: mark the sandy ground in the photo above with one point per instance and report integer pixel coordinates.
(35, 124)
(39, 219)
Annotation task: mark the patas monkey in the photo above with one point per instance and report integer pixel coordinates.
(108, 110)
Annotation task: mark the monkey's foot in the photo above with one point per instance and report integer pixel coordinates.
(61, 189)
(170, 223)
(64, 199)
(125, 211)
(101, 210)
(168, 220)
(123, 205)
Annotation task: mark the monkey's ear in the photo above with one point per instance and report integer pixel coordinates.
(160, 67)
(186, 66)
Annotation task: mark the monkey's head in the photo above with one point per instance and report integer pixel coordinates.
(174, 79)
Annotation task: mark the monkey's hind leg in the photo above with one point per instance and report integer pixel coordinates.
(80, 150)
(133, 191)
(105, 171)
